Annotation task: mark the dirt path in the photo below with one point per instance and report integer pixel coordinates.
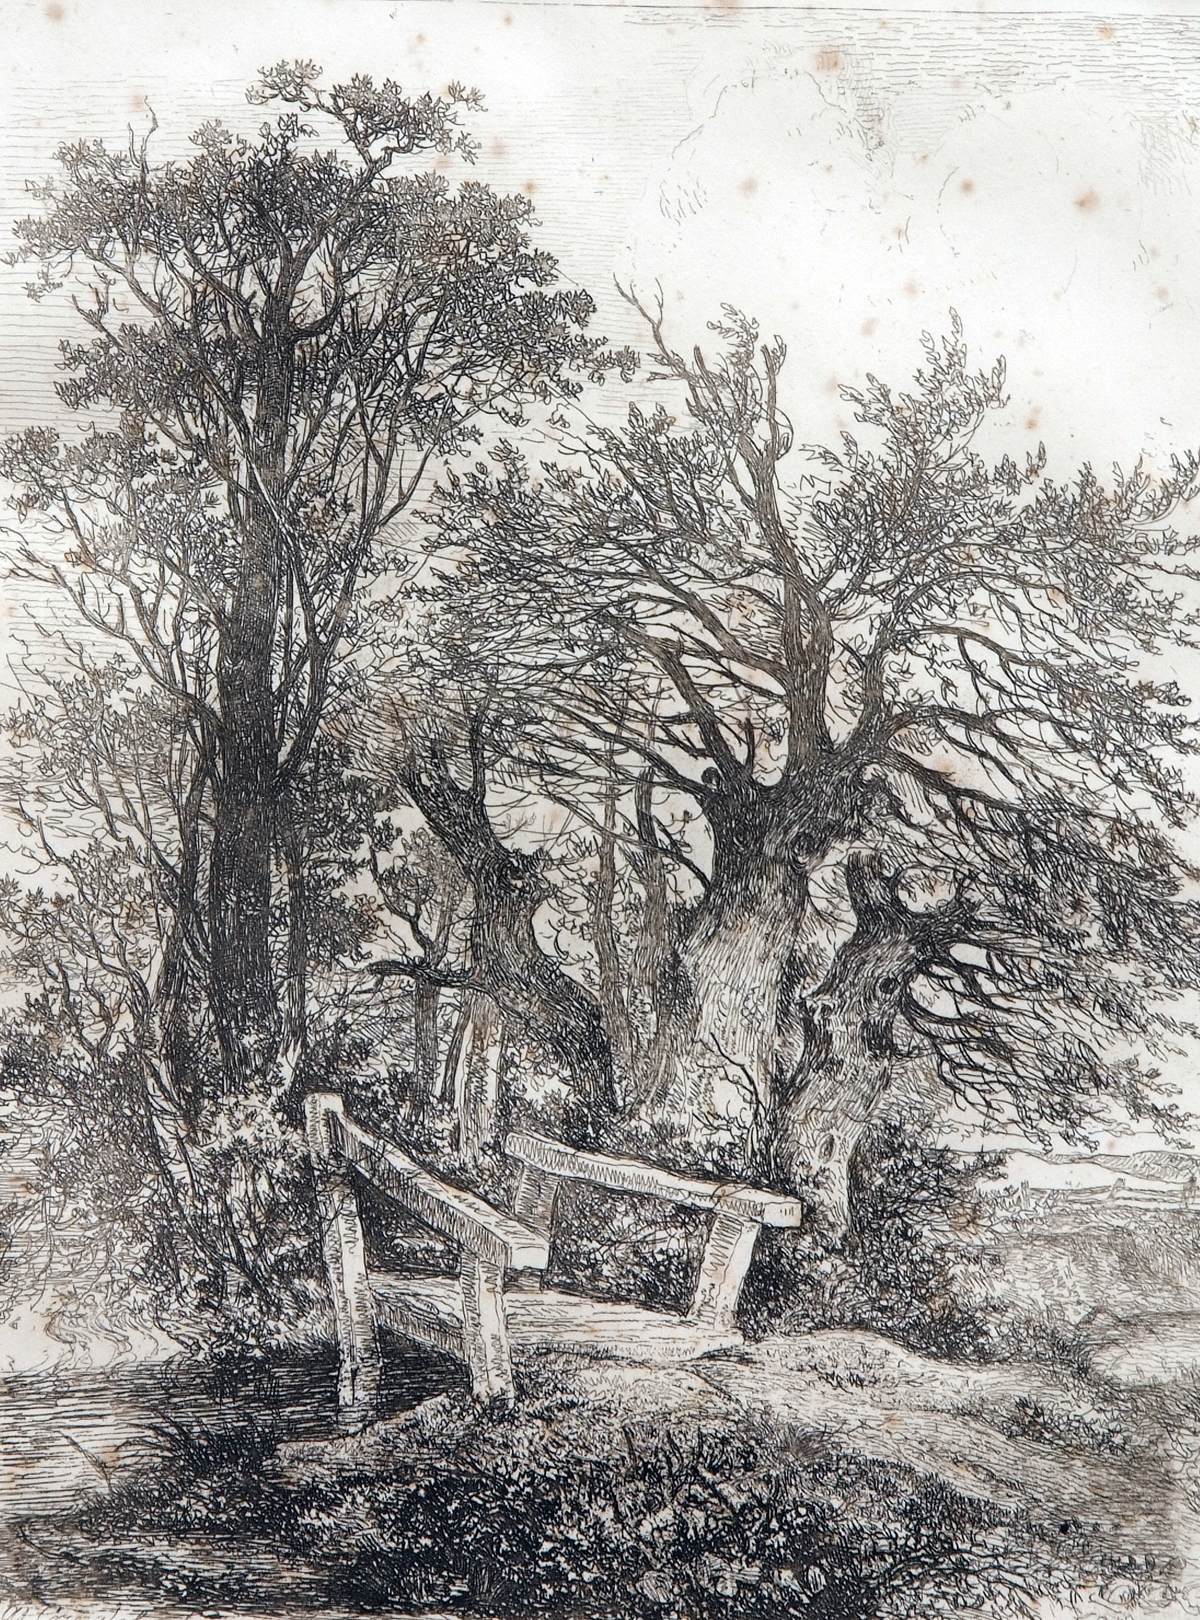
(1110, 1459)
(1120, 1463)
(1061, 1449)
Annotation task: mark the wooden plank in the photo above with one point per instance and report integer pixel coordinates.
(344, 1252)
(727, 1257)
(430, 1309)
(534, 1204)
(633, 1176)
(485, 1335)
(427, 1309)
(485, 1232)
(556, 1321)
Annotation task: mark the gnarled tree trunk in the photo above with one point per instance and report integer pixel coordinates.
(722, 1029)
(821, 1110)
(614, 1009)
(719, 1025)
(508, 964)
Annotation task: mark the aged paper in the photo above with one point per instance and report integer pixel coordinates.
(599, 931)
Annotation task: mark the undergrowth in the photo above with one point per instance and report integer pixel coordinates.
(578, 1511)
(909, 1266)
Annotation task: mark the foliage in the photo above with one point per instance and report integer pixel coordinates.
(615, 1246)
(906, 1268)
(114, 1243)
(879, 758)
(284, 333)
(715, 788)
(568, 1509)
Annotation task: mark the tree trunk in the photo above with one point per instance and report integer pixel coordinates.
(462, 1023)
(814, 1134)
(716, 1050)
(821, 1111)
(240, 878)
(652, 945)
(557, 1012)
(177, 1006)
(608, 965)
(239, 906)
(477, 1076)
(426, 1067)
(294, 1043)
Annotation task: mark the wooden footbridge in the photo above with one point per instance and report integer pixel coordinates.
(497, 1300)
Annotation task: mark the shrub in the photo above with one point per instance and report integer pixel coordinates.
(216, 1249)
(617, 1246)
(903, 1268)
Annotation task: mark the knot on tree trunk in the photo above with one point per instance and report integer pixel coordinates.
(824, 1107)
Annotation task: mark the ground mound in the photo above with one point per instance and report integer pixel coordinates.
(834, 1474)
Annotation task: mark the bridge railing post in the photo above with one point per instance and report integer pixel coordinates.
(727, 1256)
(485, 1331)
(359, 1364)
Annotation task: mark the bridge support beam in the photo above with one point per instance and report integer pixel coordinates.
(344, 1250)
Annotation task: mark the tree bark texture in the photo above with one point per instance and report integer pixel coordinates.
(732, 961)
(508, 964)
(613, 1007)
(821, 1110)
(240, 881)
(426, 1056)
(477, 1076)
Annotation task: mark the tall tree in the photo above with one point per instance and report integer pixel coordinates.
(913, 708)
(286, 334)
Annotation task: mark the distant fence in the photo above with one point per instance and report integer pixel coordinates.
(1173, 1199)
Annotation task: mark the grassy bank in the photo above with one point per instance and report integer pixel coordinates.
(832, 1483)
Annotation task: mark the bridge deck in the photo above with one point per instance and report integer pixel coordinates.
(430, 1309)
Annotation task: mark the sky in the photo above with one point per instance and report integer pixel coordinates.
(847, 176)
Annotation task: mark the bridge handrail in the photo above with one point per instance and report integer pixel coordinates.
(635, 1176)
(468, 1220)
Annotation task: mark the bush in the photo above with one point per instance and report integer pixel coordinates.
(902, 1269)
(620, 1247)
(219, 1248)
